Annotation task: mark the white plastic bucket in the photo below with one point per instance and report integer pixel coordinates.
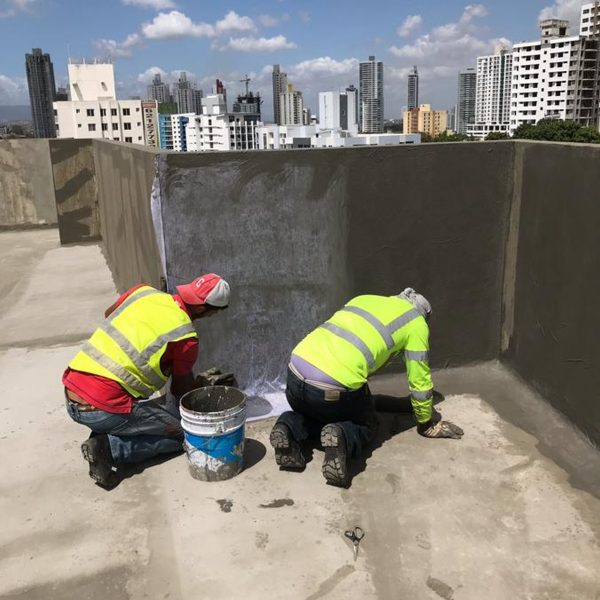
(213, 421)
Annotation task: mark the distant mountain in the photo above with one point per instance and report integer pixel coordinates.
(15, 113)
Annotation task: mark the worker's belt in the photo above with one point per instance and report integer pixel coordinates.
(332, 392)
(82, 405)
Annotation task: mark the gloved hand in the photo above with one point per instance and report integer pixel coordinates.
(441, 429)
(214, 376)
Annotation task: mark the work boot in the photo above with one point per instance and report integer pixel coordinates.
(335, 469)
(96, 451)
(288, 453)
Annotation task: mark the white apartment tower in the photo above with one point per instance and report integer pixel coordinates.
(558, 76)
(94, 111)
(371, 96)
(291, 106)
(337, 110)
(280, 84)
(492, 96)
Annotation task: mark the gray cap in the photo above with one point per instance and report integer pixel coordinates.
(418, 301)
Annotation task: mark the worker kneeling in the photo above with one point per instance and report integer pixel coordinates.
(327, 380)
(147, 337)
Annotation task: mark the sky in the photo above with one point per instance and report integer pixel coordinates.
(319, 43)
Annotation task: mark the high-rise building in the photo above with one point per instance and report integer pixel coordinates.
(172, 132)
(337, 110)
(467, 87)
(371, 96)
(61, 94)
(42, 92)
(94, 111)
(492, 97)
(291, 105)
(159, 90)
(558, 76)
(280, 84)
(187, 97)
(248, 103)
(413, 89)
(425, 120)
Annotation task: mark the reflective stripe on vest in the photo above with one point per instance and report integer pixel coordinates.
(144, 379)
(385, 331)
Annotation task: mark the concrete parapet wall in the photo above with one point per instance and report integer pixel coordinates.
(125, 174)
(299, 233)
(26, 187)
(554, 343)
(75, 190)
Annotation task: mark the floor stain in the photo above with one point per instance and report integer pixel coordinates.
(225, 505)
(443, 590)
(331, 582)
(261, 540)
(278, 503)
(393, 480)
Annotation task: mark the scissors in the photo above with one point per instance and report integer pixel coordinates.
(355, 536)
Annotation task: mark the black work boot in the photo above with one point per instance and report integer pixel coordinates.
(335, 469)
(96, 451)
(288, 453)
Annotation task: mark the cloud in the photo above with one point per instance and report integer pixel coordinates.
(147, 76)
(156, 4)
(175, 25)
(114, 49)
(410, 25)
(448, 48)
(13, 90)
(564, 9)
(323, 65)
(10, 8)
(233, 22)
(268, 21)
(253, 44)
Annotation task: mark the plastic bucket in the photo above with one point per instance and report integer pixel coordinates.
(213, 421)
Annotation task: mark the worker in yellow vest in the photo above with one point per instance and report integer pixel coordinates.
(327, 380)
(147, 337)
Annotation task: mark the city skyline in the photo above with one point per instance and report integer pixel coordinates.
(169, 36)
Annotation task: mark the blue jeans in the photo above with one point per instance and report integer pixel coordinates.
(148, 430)
(354, 412)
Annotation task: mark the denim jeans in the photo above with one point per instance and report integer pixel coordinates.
(148, 430)
(354, 412)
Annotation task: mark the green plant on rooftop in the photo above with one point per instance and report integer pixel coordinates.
(496, 135)
(553, 130)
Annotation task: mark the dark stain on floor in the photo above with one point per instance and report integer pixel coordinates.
(443, 590)
(225, 505)
(278, 503)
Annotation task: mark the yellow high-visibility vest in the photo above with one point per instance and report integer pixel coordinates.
(129, 344)
(361, 337)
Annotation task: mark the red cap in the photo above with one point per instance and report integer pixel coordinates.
(206, 289)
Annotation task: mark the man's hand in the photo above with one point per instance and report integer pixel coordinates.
(441, 429)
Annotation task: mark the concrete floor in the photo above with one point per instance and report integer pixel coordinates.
(511, 511)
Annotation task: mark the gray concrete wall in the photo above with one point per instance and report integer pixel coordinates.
(125, 174)
(298, 233)
(554, 343)
(26, 197)
(75, 190)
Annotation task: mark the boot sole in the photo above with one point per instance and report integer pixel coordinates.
(334, 467)
(101, 474)
(288, 454)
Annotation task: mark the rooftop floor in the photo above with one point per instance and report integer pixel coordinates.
(510, 511)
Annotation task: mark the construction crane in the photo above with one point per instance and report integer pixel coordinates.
(246, 80)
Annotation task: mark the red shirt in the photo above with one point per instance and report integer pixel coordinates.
(106, 394)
